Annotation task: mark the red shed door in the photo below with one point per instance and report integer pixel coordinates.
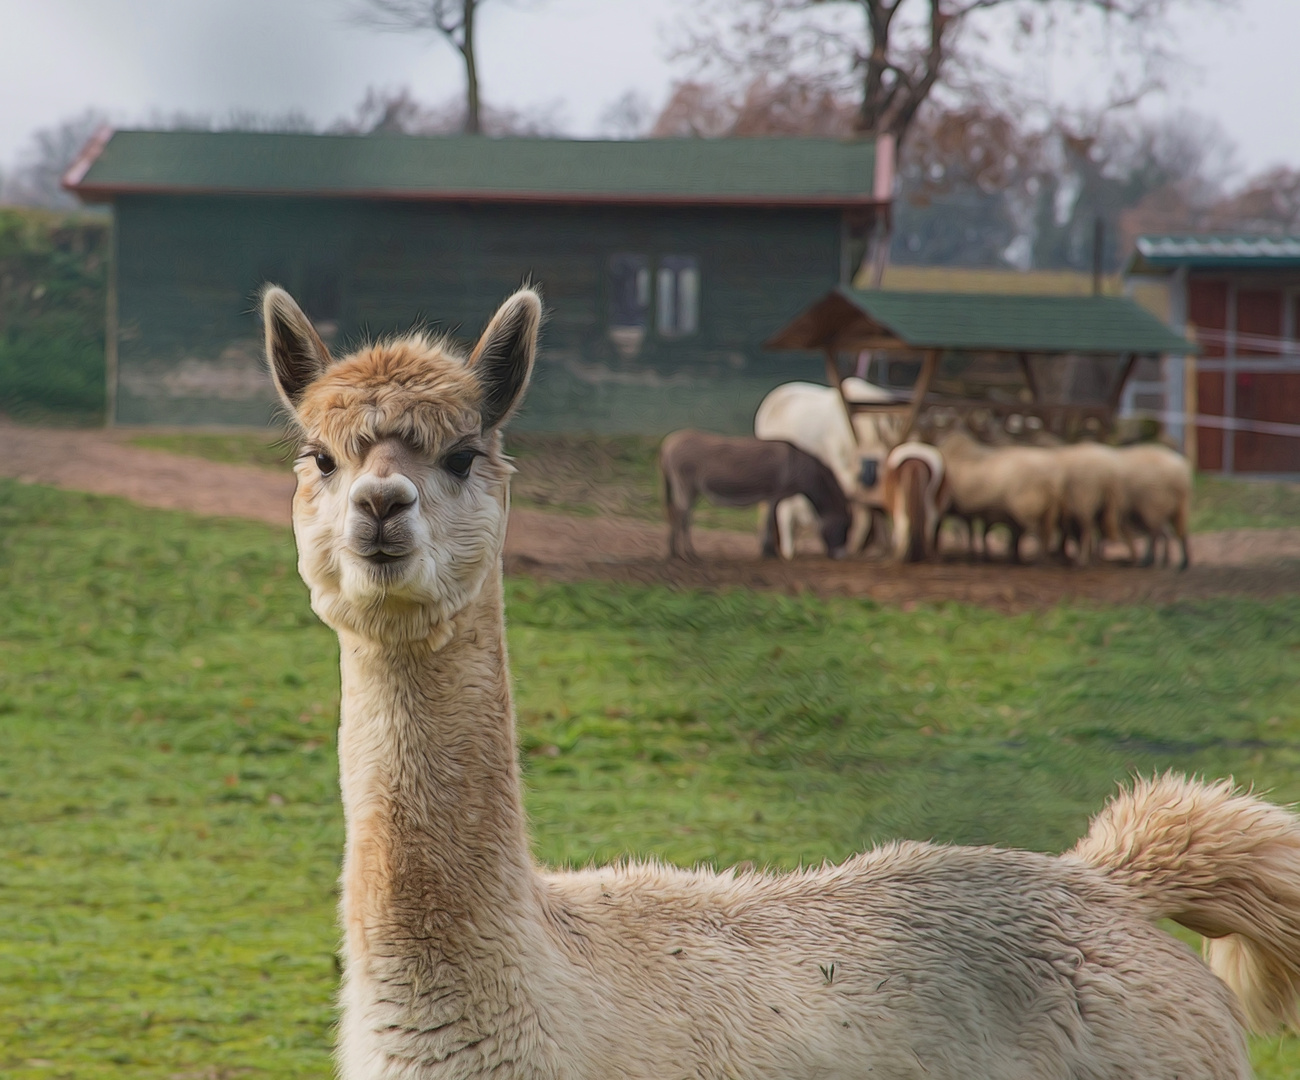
(1264, 395)
(1207, 309)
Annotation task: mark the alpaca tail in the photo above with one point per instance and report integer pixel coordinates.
(1222, 863)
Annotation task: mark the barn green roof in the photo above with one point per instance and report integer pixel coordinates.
(751, 171)
(877, 318)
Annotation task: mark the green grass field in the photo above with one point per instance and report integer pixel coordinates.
(168, 796)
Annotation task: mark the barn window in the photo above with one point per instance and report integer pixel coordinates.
(629, 290)
(678, 287)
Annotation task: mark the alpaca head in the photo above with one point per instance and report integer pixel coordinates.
(400, 512)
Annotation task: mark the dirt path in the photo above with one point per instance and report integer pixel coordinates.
(569, 548)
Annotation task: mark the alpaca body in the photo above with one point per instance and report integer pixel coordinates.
(462, 959)
(795, 517)
(813, 418)
(914, 492)
(465, 961)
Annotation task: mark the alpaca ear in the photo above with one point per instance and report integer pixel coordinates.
(503, 358)
(294, 350)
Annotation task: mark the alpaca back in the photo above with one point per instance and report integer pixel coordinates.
(913, 960)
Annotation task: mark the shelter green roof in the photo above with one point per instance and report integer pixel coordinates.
(1165, 254)
(752, 171)
(856, 318)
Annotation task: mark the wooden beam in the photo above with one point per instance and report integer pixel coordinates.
(1030, 381)
(832, 367)
(928, 367)
(110, 326)
(1117, 391)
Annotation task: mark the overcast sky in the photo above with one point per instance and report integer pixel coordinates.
(131, 58)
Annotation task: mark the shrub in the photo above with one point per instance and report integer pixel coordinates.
(53, 281)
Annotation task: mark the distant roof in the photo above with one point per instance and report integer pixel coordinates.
(1163, 254)
(751, 171)
(858, 318)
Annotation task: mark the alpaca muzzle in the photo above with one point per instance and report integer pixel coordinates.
(379, 517)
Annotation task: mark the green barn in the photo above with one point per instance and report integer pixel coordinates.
(664, 263)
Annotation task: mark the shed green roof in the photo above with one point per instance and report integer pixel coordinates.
(849, 318)
(1166, 253)
(757, 171)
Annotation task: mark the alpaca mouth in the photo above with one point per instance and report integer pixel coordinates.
(384, 558)
(382, 563)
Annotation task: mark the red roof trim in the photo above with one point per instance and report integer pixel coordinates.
(105, 192)
(89, 153)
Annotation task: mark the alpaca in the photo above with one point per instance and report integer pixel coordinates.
(464, 959)
(914, 491)
(813, 417)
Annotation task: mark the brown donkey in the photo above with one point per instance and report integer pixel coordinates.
(739, 471)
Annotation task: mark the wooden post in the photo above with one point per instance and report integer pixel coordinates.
(928, 368)
(111, 330)
(832, 368)
(1191, 406)
(1028, 371)
(1125, 370)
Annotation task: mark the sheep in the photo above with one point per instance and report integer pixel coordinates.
(1020, 486)
(1156, 492)
(1091, 495)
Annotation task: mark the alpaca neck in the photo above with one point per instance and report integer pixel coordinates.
(437, 857)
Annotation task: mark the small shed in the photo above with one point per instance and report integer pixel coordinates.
(1239, 296)
(661, 261)
(1003, 354)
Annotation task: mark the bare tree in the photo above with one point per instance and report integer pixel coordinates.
(37, 178)
(453, 20)
(891, 56)
(765, 106)
(398, 111)
(629, 116)
(1266, 204)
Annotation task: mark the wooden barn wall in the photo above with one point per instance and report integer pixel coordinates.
(189, 348)
(1245, 318)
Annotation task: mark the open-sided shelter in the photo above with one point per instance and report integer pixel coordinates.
(968, 341)
(662, 262)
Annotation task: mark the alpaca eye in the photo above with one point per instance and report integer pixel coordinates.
(325, 463)
(458, 463)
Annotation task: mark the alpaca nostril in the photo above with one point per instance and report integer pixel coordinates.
(385, 505)
(383, 498)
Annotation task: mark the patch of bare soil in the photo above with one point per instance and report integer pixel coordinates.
(563, 547)
(100, 462)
